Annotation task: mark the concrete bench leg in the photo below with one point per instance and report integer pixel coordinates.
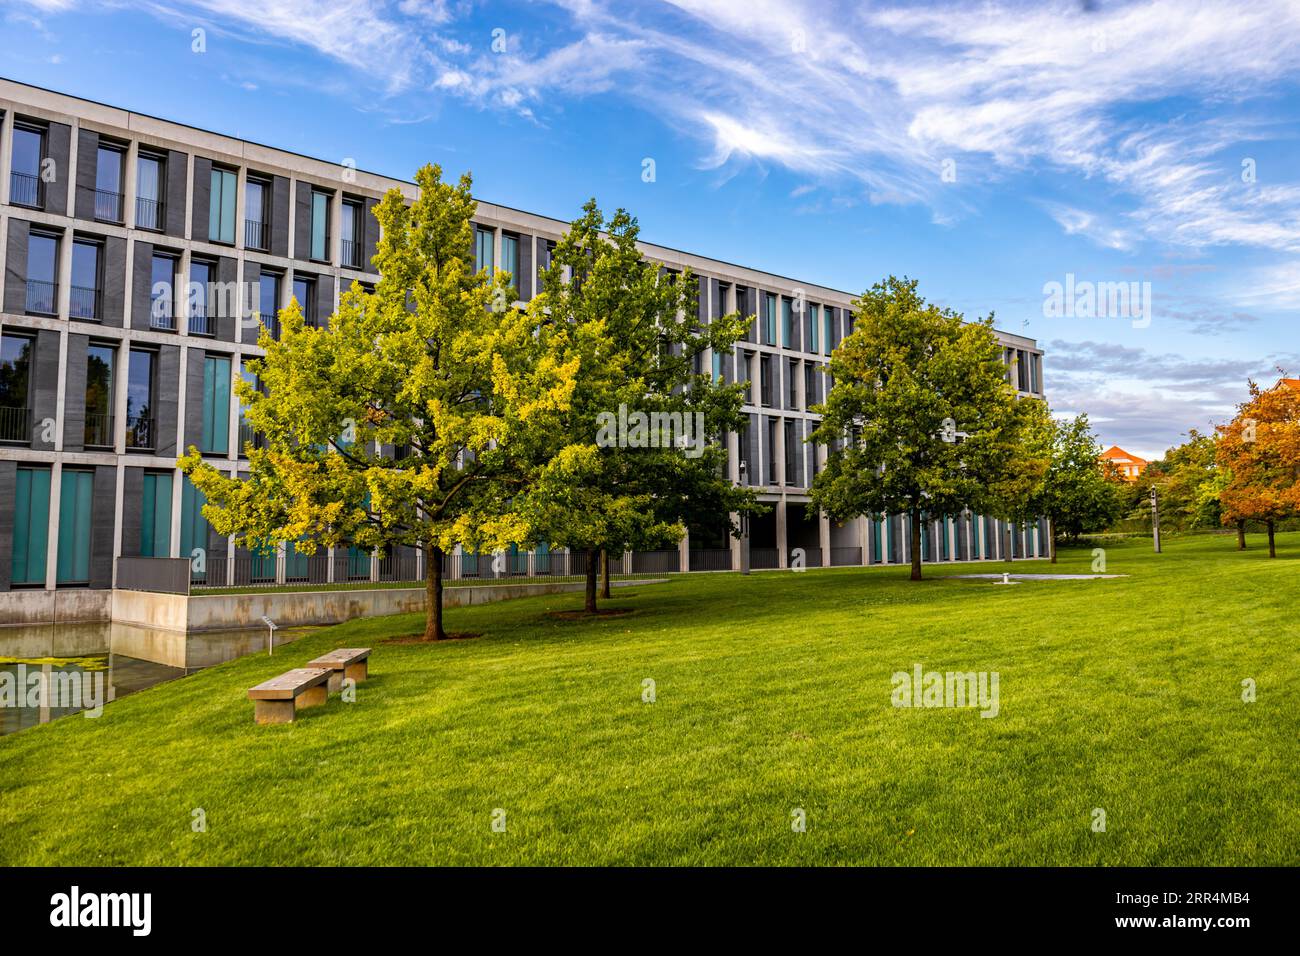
(336, 681)
(273, 711)
(357, 671)
(312, 696)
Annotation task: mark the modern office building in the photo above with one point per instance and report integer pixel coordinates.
(121, 238)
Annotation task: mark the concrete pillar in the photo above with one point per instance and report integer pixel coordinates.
(824, 538)
(684, 552)
(782, 542)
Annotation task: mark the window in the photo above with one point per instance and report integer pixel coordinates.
(15, 386)
(99, 396)
(156, 516)
(108, 183)
(31, 526)
(221, 206)
(75, 499)
(257, 222)
(304, 290)
(42, 267)
(724, 299)
(742, 454)
(828, 342)
(84, 300)
(765, 380)
(268, 302)
(717, 366)
(162, 294)
(140, 399)
(25, 185)
(791, 452)
(320, 218)
(216, 405)
(200, 287)
(772, 471)
(483, 250)
(510, 255)
(149, 179)
(809, 385)
(353, 236)
(814, 319)
(194, 527)
(246, 434)
(789, 335)
(769, 319)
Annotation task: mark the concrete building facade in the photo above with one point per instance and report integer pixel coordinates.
(138, 258)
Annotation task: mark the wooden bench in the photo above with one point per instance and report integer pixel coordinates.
(344, 662)
(278, 700)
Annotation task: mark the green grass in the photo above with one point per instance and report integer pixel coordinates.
(773, 693)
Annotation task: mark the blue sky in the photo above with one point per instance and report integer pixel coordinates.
(986, 149)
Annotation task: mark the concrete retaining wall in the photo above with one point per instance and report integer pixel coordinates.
(66, 606)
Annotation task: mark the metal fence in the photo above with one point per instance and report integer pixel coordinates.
(168, 575)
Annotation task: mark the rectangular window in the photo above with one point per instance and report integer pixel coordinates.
(200, 289)
(257, 221)
(194, 527)
(769, 318)
(789, 335)
(15, 388)
(149, 179)
(99, 396)
(724, 300)
(108, 183)
(828, 341)
(268, 302)
(510, 255)
(156, 516)
(246, 435)
(162, 292)
(140, 399)
(42, 267)
(809, 385)
(765, 380)
(791, 452)
(304, 290)
(216, 405)
(483, 239)
(717, 366)
(25, 186)
(75, 499)
(320, 218)
(83, 303)
(221, 206)
(31, 526)
(814, 319)
(772, 471)
(353, 238)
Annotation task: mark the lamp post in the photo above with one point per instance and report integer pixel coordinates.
(1155, 520)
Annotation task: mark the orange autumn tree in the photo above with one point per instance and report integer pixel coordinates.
(1259, 451)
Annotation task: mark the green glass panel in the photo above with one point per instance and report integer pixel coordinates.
(815, 320)
(31, 525)
(194, 527)
(156, 517)
(319, 217)
(75, 493)
(216, 405)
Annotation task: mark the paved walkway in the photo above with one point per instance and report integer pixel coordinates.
(1041, 577)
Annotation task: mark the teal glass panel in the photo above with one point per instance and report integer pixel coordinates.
(216, 405)
(156, 517)
(75, 494)
(31, 525)
(814, 315)
(319, 220)
(194, 527)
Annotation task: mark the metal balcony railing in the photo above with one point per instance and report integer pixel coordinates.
(84, 303)
(162, 320)
(99, 430)
(202, 324)
(150, 214)
(257, 235)
(352, 251)
(42, 297)
(108, 206)
(15, 424)
(139, 432)
(26, 189)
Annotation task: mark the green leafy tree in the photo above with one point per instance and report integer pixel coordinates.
(416, 418)
(617, 481)
(1077, 495)
(920, 419)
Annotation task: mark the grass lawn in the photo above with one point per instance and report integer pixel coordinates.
(773, 693)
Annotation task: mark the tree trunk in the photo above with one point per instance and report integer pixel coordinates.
(1272, 549)
(1051, 539)
(433, 594)
(1241, 536)
(592, 555)
(916, 544)
(604, 573)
